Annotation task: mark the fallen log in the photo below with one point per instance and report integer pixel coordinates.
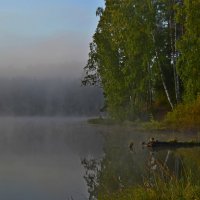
(171, 144)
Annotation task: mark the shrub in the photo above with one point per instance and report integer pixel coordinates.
(185, 117)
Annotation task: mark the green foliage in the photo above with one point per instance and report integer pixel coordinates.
(185, 116)
(189, 46)
(144, 52)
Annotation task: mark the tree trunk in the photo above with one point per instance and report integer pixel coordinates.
(164, 84)
(162, 76)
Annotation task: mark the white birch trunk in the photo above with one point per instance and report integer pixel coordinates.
(162, 77)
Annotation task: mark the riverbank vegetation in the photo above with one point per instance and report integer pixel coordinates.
(185, 117)
(163, 184)
(145, 56)
(136, 173)
(173, 190)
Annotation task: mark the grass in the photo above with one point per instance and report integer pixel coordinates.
(153, 125)
(159, 187)
(162, 183)
(162, 191)
(103, 121)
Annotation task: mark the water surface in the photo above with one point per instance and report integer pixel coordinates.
(40, 158)
(67, 158)
(122, 167)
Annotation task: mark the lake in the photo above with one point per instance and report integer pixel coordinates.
(40, 158)
(52, 158)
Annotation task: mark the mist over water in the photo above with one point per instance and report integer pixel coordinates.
(25, 96)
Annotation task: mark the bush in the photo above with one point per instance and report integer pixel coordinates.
(185, 117)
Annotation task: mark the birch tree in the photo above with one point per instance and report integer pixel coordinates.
(189, 47)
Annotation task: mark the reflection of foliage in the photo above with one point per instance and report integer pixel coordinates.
(162, 182)
(191, 161)
(139, 174)
(119, 170)
(167, 169)
(92, 168)
(120, 167)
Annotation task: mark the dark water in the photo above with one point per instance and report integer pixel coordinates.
(123, 167)
(65, 158)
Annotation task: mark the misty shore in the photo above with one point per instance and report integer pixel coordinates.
(48, 97)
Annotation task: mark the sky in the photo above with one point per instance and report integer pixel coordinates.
(44, 38)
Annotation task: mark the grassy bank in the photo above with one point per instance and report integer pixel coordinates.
(152, 125)
(173, 190)
(103, 121)
(185, 117)
(162, 184)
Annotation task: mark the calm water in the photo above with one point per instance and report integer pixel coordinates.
(40, 158)
(122, 167)
(65, 158)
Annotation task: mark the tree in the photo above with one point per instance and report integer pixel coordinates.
(134, 55)
(189, 47)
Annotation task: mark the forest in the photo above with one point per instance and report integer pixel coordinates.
(145, 57)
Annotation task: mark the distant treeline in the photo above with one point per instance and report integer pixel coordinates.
(26, 96)
(146, 55)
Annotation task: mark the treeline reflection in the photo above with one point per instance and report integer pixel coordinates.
(121, 168)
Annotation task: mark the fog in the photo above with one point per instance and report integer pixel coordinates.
(43, 77)
(57, 56)
(24, 96)
(44, 47)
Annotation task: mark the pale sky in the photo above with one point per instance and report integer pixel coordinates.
(46, 37)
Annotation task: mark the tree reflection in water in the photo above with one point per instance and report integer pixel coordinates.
(92, 171)
(121, 168)
(166, 168)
